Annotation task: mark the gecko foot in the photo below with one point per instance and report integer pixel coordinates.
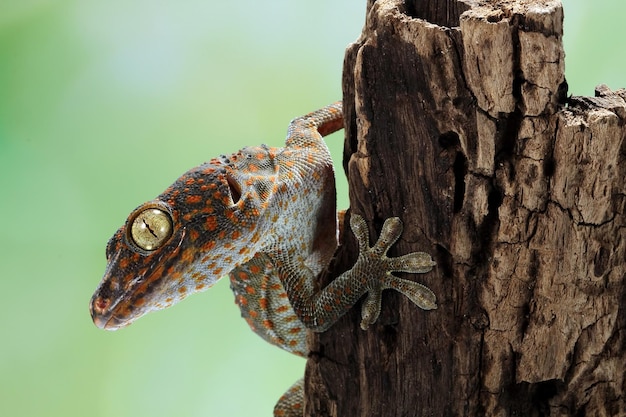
(374, 266)
(290, 404)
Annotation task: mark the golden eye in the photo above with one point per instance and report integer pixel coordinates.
(151, 228)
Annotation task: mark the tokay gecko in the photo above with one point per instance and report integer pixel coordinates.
(266, 217)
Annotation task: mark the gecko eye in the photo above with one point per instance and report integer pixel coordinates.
(150, 228)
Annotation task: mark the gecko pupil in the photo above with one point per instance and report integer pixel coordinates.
(151, 228)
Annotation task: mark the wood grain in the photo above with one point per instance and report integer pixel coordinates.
(458, 122)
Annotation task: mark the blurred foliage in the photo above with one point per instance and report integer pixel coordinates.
(103, 105)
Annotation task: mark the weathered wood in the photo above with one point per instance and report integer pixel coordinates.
(458, 122)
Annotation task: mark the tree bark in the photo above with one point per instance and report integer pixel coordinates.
(457, 121)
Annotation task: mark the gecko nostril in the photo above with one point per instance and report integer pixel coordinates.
(99, 305)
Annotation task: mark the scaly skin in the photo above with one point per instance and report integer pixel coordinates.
(267, 218)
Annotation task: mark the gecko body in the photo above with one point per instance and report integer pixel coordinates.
(266, 217)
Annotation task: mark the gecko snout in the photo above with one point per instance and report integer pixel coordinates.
(101, 315)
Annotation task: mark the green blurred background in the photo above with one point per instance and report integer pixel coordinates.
(103, 105)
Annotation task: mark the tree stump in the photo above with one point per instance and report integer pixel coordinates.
(457, 121)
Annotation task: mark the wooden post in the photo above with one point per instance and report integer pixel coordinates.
(457, 121)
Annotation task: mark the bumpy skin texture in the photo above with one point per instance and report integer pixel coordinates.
(267, 218)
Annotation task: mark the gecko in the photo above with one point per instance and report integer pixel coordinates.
(266, 217)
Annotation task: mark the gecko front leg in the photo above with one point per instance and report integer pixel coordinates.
(371, 274)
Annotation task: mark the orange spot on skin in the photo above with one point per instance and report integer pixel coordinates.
(187, 256)
(208, 246)
(197, 276)
(193, 199)
(211, 223)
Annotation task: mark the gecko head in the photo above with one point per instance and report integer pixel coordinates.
(180, 243)
(139, 260)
